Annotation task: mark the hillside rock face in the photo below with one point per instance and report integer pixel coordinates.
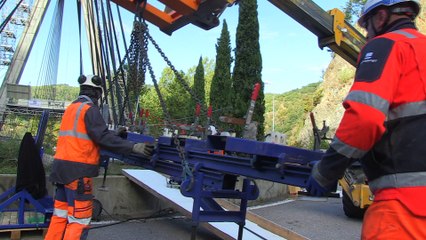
(338, 79)
(337, 82)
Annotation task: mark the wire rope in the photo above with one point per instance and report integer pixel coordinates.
(47, 77)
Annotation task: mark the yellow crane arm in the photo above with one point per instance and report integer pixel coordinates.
(330, 27)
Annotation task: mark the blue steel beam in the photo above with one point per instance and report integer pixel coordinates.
(216, 163)
(241, 157)
(258, 160)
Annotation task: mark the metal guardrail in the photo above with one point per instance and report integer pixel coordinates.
(38, 103)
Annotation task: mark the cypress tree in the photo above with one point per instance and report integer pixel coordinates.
(199, 87)
(248, 66)
(220, 89)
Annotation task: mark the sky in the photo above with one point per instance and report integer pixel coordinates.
(290, 54)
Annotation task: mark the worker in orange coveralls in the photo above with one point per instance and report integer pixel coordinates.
(384, 124)
(82, 134)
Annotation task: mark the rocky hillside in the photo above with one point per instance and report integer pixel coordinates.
(337, 81)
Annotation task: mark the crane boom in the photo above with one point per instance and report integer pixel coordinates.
(330, 27)
(178, 13)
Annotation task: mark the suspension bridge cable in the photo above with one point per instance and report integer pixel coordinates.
(104, 57)
(94, 32)
(48, 70)
(42, 89)
(109, 44)
(2, 3)
(126, 56)
(53, 56)
(79, 34)
(97, 46)
(119, 72)
(91, 31)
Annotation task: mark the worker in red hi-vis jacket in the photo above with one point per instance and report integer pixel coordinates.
(82, 134)
(384, 123)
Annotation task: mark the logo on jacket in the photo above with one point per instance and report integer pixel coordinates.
(369, 58)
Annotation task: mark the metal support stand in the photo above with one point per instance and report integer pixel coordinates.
(104, 163)
(206, 209)
(25, 203)
(194, 231)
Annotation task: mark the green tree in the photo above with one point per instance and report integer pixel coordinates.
(290, 109)
(150, 101)
(353, 9)
(208, 65)
(9, 151)
(62, 92)
(177, 99)
(199, 82)
(220, 89)
(51, 134)
(248, 65)
(199, 88)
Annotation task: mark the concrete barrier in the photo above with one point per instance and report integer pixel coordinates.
(268, 191)
(123, 198)
(120, 198)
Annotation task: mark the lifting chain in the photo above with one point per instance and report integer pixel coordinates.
(180, 79)
(177, 74)
(140, 37)
(137, 53)
(137, 61)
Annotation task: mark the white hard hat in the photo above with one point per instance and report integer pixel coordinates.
(90, 80)
(370, 5)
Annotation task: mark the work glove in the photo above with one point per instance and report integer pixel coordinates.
(146, 149)
(314, 188)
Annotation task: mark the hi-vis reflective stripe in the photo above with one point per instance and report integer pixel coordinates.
(60, 213)
(399, 180)
(375, 101)
(369, 99)
(407, 34)
(73, 132)
(82, 221)
(408, 110)
(346, 150)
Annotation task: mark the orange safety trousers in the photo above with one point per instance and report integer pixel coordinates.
(72, 211)
(390, 219)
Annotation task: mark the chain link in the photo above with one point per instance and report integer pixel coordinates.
(140, 35)
(177, 74)
(137, 60)
(182, 82)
